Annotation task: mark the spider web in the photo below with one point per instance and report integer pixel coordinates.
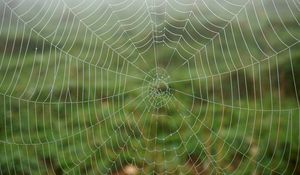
(152, 86)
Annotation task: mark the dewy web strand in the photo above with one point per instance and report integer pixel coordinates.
(149, 87)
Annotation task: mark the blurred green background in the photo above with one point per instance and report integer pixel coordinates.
(75, 78)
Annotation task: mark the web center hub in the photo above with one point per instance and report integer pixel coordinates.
(156, 88)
